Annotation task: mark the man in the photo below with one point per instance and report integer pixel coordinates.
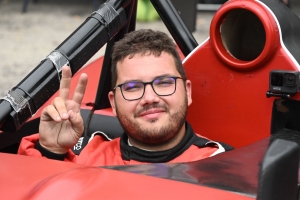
(150, 96)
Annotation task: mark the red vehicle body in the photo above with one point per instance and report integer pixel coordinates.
(230, 73)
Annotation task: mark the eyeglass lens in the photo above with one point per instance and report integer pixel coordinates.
(162, 86)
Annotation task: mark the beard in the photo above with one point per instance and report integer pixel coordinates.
(154, 134)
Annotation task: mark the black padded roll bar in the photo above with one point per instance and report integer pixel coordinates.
(40, 84)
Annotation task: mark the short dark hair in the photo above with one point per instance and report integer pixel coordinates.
(144, 41)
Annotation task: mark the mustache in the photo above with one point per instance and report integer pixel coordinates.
(149, 107)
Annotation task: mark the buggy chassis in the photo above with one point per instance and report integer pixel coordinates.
(230, 76)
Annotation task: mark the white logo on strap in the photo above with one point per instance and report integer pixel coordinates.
(78, 146)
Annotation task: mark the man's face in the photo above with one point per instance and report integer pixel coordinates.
(152, 119)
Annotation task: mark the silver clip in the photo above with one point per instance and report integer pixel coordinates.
(17, 102)
(108, 14)
(59, 60)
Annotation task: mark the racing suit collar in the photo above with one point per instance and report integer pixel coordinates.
(133, 153)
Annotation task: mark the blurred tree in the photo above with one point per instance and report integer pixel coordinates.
(146, 12)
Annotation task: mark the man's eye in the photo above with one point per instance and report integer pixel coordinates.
(130, 87)
(164, 82)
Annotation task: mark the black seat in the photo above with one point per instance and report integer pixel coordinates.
(105, 125)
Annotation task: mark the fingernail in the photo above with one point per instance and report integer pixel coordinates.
(65, 115)
(58, 118)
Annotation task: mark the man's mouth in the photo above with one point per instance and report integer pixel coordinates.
(152, 113)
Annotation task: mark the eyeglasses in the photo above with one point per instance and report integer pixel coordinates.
(162, 86)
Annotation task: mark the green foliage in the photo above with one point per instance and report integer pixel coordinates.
(146, 12)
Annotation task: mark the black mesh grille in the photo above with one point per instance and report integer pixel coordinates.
(285, 122)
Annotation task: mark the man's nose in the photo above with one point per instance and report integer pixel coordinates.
(149, 94)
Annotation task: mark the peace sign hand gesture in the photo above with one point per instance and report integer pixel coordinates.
(61, 124)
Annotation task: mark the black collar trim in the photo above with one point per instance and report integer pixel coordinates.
(133, 153)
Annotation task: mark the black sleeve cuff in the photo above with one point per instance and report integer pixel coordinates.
(49, 154)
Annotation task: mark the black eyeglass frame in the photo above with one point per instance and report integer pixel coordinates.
(151, 83)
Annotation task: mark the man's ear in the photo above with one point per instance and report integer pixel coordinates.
(188, 86)
(111, 97)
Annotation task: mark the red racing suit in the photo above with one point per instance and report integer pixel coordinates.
(101, 151)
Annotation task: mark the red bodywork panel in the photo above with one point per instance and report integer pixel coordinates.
(50, 179)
